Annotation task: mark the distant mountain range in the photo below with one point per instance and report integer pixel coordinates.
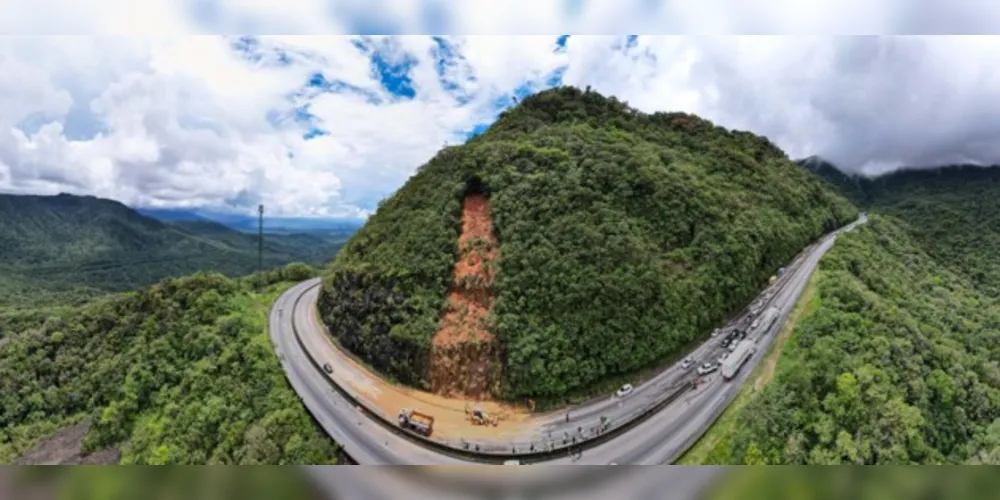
(68, 244)
(248, 223)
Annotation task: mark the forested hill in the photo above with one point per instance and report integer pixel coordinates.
(620, 237)
(897, 361)
(850, 186)
(69, 244)
(953, 212)
(181, 372)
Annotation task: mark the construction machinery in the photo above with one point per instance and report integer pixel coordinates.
(479, 417)
(415, 421)
(773, 280)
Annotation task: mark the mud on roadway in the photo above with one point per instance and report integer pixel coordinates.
(450, 420)
(465, 367)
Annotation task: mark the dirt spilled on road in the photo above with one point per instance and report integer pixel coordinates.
(464, 356)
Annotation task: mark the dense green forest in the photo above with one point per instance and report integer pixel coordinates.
(180, 372)
(66, 249)
(953, 212)
(896, 363)
(623, 236)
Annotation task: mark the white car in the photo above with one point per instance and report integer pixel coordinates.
(687, 363)
(715, 332)
(625, 390)
(707, 368)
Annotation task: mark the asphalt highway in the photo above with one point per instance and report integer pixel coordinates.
(661, 438)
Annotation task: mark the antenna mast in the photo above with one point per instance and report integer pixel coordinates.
(260, 246)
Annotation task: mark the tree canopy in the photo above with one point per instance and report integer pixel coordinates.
(182, 372)
(897, 364)
(622, 237)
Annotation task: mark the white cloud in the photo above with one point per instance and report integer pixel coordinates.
(184, 120)
(189, 121)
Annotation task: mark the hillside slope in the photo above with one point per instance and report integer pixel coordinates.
(617, 238)
(182, 372)
(65, 244)
(952, 212)
(898, 362)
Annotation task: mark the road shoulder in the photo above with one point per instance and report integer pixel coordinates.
(705, 448)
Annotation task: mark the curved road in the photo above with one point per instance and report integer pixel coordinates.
(659, 439)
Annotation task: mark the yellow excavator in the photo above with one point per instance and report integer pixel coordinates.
(479, 417)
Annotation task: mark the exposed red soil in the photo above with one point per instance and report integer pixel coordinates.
(464, 353)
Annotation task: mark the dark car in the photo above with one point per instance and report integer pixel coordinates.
(327, 368)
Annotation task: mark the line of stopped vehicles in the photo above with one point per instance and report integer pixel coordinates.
(737, 347)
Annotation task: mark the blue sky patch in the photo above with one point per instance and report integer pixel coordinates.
(478, 129)
(395, 78)
(318, 81)
(561, 43)
(554, 79)
(249, 47)
(445, 57)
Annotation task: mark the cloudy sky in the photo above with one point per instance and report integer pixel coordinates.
(326, 125)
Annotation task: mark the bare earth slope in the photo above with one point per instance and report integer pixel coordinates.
(463, 359)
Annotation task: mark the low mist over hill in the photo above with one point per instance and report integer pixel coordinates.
(952, 211)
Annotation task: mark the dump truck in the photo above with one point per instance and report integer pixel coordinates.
(731, 365)
(415, 421)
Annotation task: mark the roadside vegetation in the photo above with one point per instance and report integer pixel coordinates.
(952, 212)
(897, 364)
(623, 237)
(782, 355)
(182, 372)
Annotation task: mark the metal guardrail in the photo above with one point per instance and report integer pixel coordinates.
(539, 447)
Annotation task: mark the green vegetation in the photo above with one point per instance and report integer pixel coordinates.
(182, 372)
(713, 446)
(69, 249)
(623, 236)
(954, 213)
(897, 364)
